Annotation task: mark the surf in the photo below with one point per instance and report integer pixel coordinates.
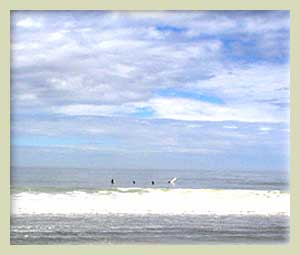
(164, 201)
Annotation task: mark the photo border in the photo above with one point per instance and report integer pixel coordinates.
(292, 247)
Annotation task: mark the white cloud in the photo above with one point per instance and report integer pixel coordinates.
(230, 127)
(193, 110)
(86, 110)
(28, 23)
(55, 36)
(24, 46)
(194, 125)
(96, 110)
(249, 83)
(265, 129)
(180, 109)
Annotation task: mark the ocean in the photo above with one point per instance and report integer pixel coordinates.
(81, 206)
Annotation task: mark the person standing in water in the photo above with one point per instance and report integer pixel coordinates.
(112, 181)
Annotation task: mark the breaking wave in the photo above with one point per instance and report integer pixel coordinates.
(153, 201)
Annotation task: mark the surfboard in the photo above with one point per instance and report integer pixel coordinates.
(173, 180)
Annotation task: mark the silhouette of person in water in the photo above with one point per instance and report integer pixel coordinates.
(152, 182)
(112, 181)
(133, 182)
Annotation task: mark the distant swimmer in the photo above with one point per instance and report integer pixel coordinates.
(133, 182)
(112, 181)
(172, 181)
(153, 182)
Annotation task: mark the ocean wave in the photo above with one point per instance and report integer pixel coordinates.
(153, 201)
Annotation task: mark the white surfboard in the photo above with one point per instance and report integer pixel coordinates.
(173, 180)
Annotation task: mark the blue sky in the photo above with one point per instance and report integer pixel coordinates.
(189, 90)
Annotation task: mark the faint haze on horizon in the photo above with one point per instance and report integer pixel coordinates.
(182, 90)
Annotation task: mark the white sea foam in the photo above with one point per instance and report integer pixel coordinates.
(154, 201)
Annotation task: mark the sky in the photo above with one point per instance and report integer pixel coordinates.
(187, 90)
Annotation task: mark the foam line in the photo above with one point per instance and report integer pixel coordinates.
(154, 201)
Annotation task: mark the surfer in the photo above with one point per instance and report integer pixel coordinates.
(153, 182)
(112, 181)
(133, 182)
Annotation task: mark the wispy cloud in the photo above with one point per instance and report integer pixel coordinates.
(28, 23)
(230, 127)
(265, 129)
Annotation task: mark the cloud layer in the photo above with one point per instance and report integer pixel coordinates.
(221, 70)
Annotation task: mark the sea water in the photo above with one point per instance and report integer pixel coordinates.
(81, 206)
